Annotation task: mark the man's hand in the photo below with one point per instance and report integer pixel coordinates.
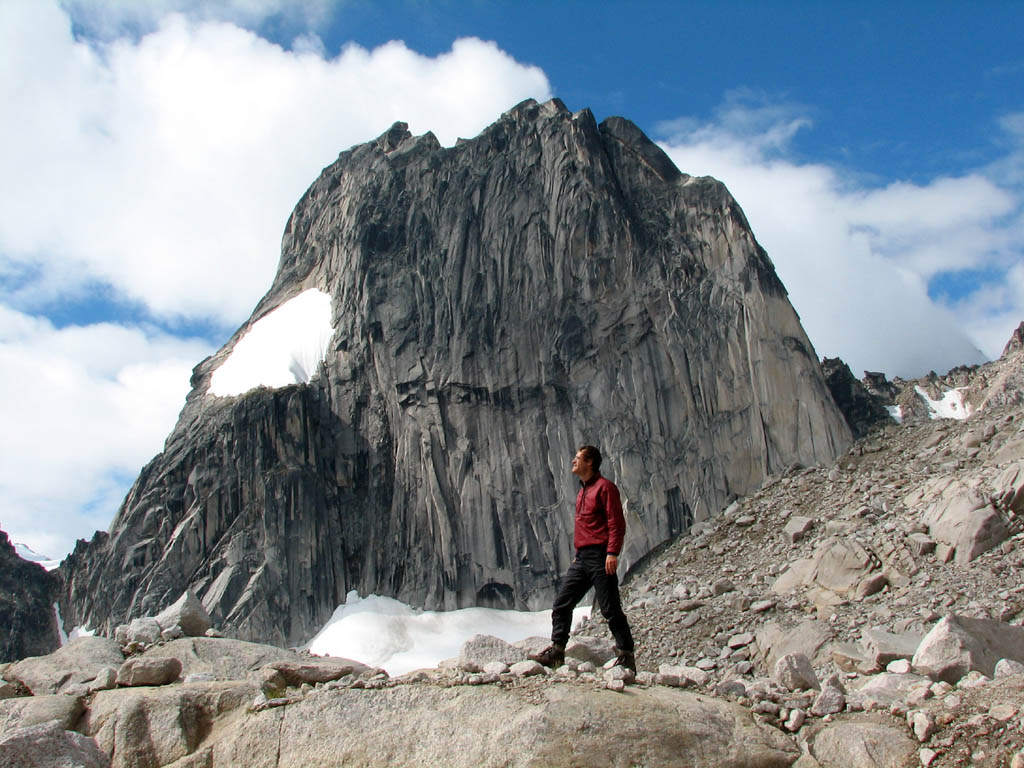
(611, 565)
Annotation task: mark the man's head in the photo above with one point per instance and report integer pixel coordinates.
(587, 462)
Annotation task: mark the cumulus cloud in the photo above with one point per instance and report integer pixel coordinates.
(83, 408)
(167, 166)
(153, 160)
(857, 259)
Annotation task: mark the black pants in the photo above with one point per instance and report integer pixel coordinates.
(587, 571)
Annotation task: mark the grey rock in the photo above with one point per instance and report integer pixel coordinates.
(27, 595)
(838, 565)
(481, 650)
(317, 669)
(965, 520)
(1007, 668)
(596, 650)
(33, 710)
(862, 745)
(795, 673)
(188, 614)
(158, 726)
(570, 271)
(49, 745)
(885, 689)
(223, 658)
(143, 671)
(79, 661)
(921, 544)
(144, 629)
(105, 679)
(797, 527)
(958, 645)
(882, 647)
(811, 638)
(830, 701)
(526, 668)
(484, 725)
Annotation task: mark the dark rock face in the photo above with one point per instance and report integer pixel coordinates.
(496, 304)
(28, 624)
(862, 409)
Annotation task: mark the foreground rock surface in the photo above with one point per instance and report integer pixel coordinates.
(487, 726)
(495, 304)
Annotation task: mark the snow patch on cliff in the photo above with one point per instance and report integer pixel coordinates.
(951, 406)
(283, 347)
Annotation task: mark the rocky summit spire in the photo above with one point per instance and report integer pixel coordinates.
(478, 311)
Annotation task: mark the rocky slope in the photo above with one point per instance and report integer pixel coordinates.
(494, 305)
(846, 615)
(28, 624)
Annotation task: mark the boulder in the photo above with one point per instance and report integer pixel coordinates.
(838, 565)
(145, 630)
(596, 650)
(77, 662)
(143, 671)
(862, 745)
(797, 527)
(187, 613)
(795, 673)
(1008, 668)
(885, 689)
(957, 645)
(33, 710)
(964, 519)
(882, 647)
(480, 650)
(485, 726)
(49, 745)
(316, 670)
(1008, 488)
(811, 638)
(157, 726)
(222, 658)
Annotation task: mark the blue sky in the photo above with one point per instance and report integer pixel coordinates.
(152, 153)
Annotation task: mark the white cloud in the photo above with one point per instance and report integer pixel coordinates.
(167, 166)
(160, 166)
(83, 408)
(857, 259)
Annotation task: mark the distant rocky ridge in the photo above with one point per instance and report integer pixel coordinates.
(28, 624)
(547, 283)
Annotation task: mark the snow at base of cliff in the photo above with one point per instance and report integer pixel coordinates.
(283, 347)
(382, 632)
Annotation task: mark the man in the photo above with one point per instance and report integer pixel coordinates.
(599, 531)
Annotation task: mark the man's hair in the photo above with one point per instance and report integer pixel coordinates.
(591, 454)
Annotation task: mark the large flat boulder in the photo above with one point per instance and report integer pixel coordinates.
(187, 613)
(157, 726)
(811, 638)
(221, 658)
(49, 745)
(486, 726)
(957, 645)
(34, 710)
(77, 662)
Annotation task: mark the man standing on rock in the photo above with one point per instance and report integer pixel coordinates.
(599, 531)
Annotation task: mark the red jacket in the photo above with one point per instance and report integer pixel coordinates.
(599, 517)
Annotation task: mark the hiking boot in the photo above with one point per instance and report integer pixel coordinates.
(625, 659)
(553, 656)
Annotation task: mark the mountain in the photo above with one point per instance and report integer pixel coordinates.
(446, 327)
(28, 625)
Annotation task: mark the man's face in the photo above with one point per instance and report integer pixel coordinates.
(581, 465)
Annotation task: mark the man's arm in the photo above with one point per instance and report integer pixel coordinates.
(616, 528)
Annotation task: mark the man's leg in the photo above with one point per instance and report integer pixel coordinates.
(606, 589)
(574, 587)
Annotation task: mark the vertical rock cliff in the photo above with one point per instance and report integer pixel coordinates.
(494, 305)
